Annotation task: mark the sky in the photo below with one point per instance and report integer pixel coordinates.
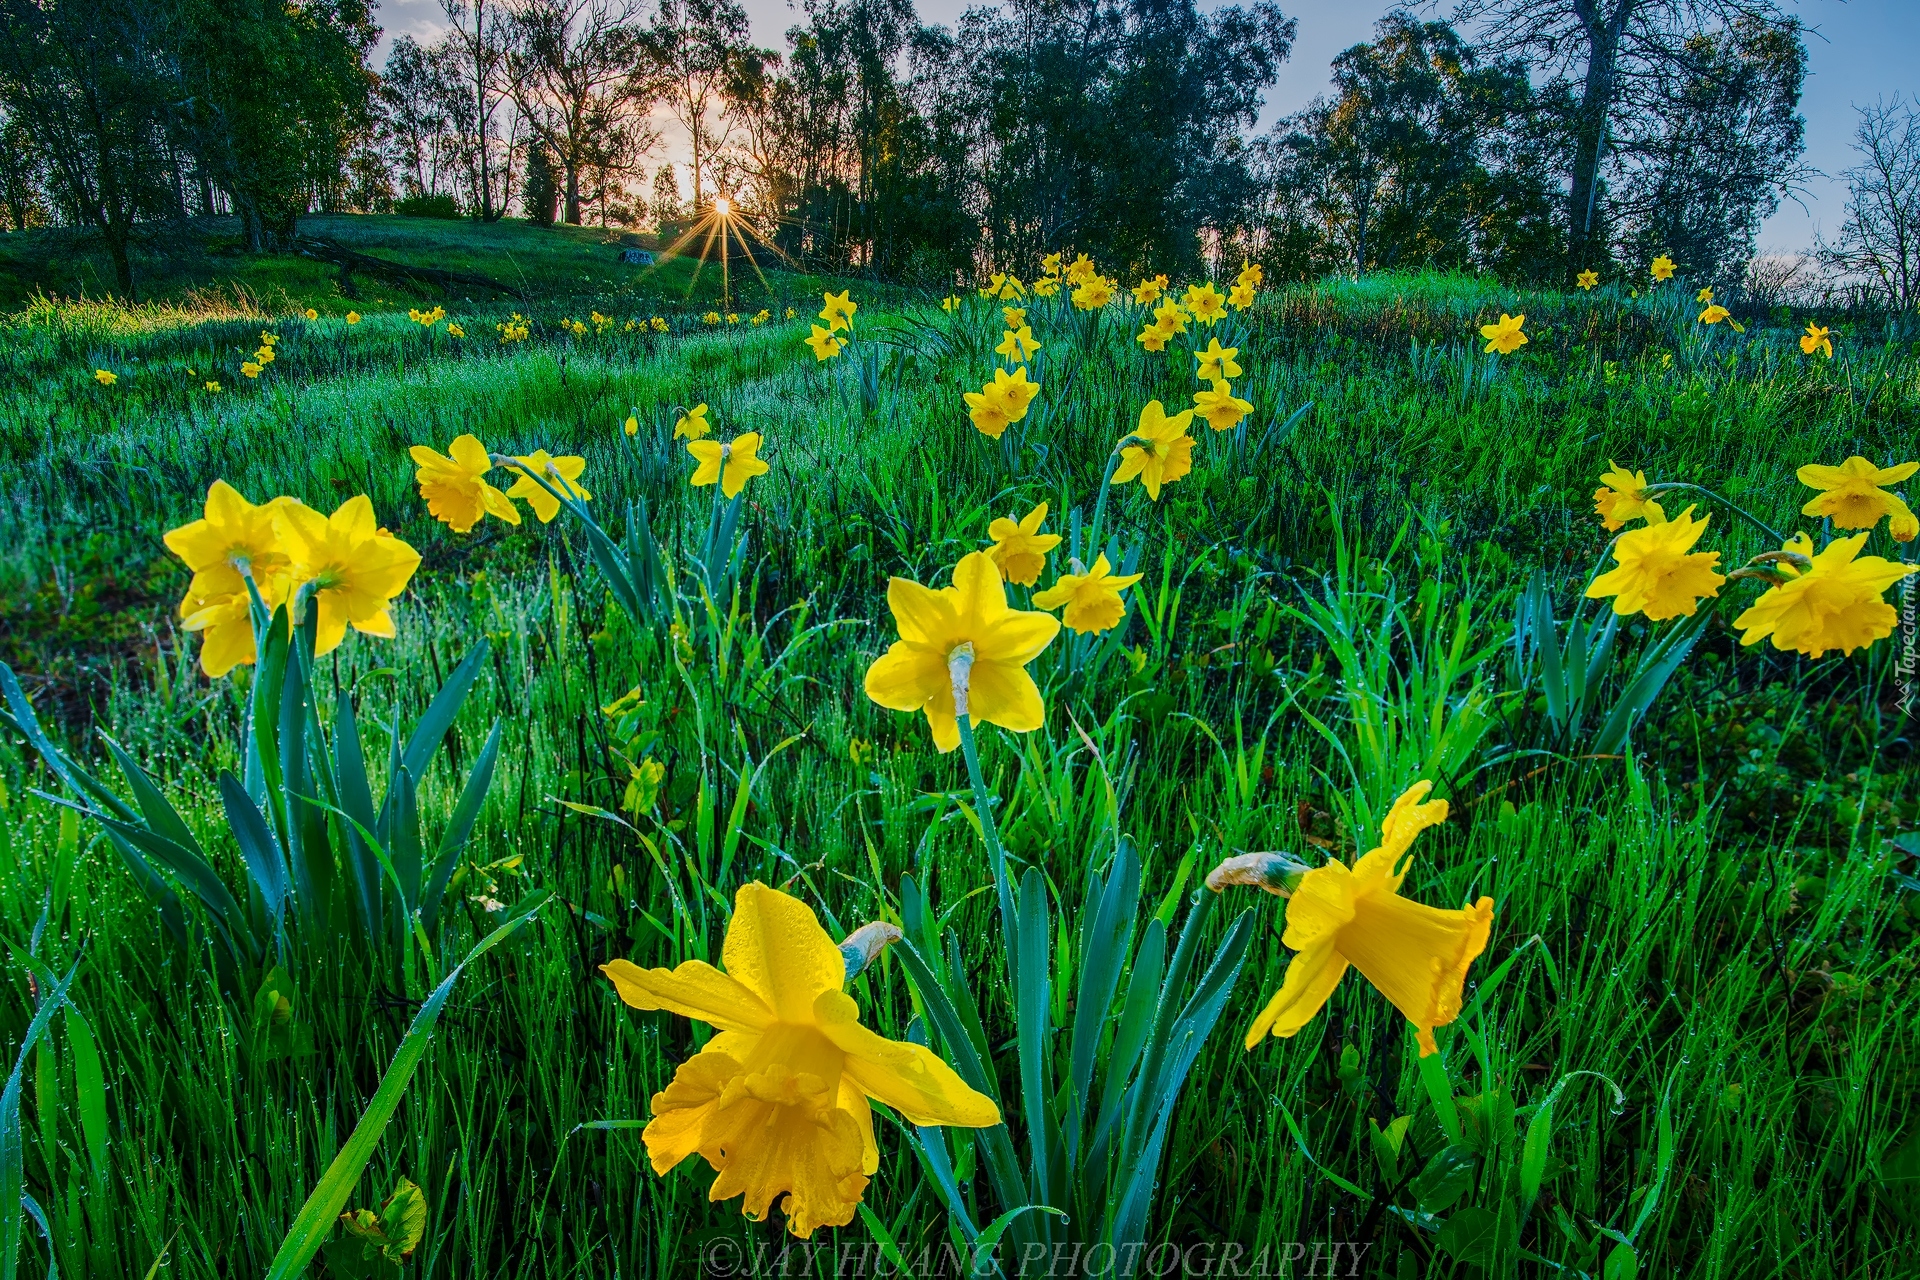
(1857, 51)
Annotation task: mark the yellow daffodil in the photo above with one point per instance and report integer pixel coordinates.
(790, 313)
(1504, 337)
(1714, 314)
(1216, 361)
(1833, 604)
(729, 465)
(264, 355)
(659, 325)
(825, 343)
(249, 369)
(963, 635)
(1657, 575)
(1046, 286)
(1152, 337)
(1162, 451)
(1171, 317)
(1587, 279)
(1081, 270)
(1003, 286)
(312, 314)
(1622, 496)
(105, 377)
(1251, 274)
(1662, 268)
(837, 310)
(1852, 498)
(455, 486)
(631, 426)
(1092, 599)
(1050, 265)
(950, 303)
(777, 1101)
(1816, 339)
(232, 538)
(1205, 303)
(1018, 345)
(211, 385)
(354, 567)
(1020, 550)
(1415, 955)
(733, 317)
(1149, 289)
(455, 331)
(711, 317)
(1001, 401)
(762, 316)
(1014, 316)
(563, 473)
(1240, 297)
(1220, 407)
(1704, 295)
(1093, 293)
(353, 317)
(693, 424)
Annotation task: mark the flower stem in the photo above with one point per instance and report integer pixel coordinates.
(982, 805)
(1744, 514)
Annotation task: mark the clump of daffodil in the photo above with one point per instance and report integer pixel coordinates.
(1851, 496)
(353, 317)
(232, 541)
(312, 314)
(349, 566)
(777, 1101)
(1018, 345)
(1002, 286)
(838, 310)
(1415, 955)
(1171, 317)
(1662, 268)
(950, 303)
(1002, 401)
(1659, 573)
(1093, 293)
(693, 424)
(1149, 289)
(1622, 496)
(1205, 303)
(730, 465)
(825, 342)
(1220, 407)
(1159, 450)
(455, 484)
(1081, 270)
(962, 651)
(1215, 361)
(1092, 597)
(1020, 549)
(105, 377)
(1504, 337)
(1714, 314)
(1587, 279)
(1815, 339)
(659, 324)
(1827, 600)
(1046, 286)
(563, 473)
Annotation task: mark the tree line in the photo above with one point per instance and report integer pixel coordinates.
(1526, 137)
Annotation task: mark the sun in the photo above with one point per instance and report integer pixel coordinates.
(722, 206)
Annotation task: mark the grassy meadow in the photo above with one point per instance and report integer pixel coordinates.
(1688, 1050)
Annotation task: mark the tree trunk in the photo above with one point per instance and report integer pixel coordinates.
(573, 192)
(1603, 32)
(480, 105)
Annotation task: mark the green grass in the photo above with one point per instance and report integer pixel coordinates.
(1723, 926)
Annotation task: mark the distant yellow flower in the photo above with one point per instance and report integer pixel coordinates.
(1018, 345)
(1002, 401)
(1833, 604)
(1657, 575)
(693, 424)
(1505, 337)
(211, 385)
(455, 486)
(541, 463)
(838, 310)
(312, 314)
(1162, 451)
(659, 325)
(268, 340)
(1081, 270)
(1415, 955)
(1046, 286)
(1014, 316)
(1170, 317)
(356, 568)
(1020, 550)
(825, 343)
(1587, 279)
(1003, 286)
(1152, 337)
(1251, 274)
(631, 426)
(1149, 288)
(1092, 599)
(231, 540)
(777, 1102)
(1093, 294)
(1216, 361)
(1205, 303)
(455, 331)
(1240, 297)
(264, 355)
(1220, 407)
(965, 630)
(105, 377)
(1816, 339)
(1662, 268)
(712, 317)
(790, 313)
(762, 316)
(950, 303)
(1704, 295)
(353, 317)
(729, 465)
(249, 368)
(1714, 314)
(1852, 498)
(1622, 496)
(1050, 265)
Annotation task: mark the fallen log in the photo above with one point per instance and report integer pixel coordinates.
(351, 261)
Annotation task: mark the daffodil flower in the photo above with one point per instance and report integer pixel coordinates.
(1852, 497)
(1622, 496)
(1161, 450)
(729, 465)
(1091, 599)
(1216, 361)
(1504, 337)
(1659, 573)
(563, 473)
(232, 541)
(455, 488)
(1834, 603)
(1020, 549)
(352, 568)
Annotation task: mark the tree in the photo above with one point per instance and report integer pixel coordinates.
(578, 76)
(665, 205)
(420, 92)
(540, 193)
(1880, 235)
(477, 37)
(694, 48)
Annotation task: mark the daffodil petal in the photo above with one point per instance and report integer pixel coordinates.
(907, 1077)
(693, 990)
(776, 948)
